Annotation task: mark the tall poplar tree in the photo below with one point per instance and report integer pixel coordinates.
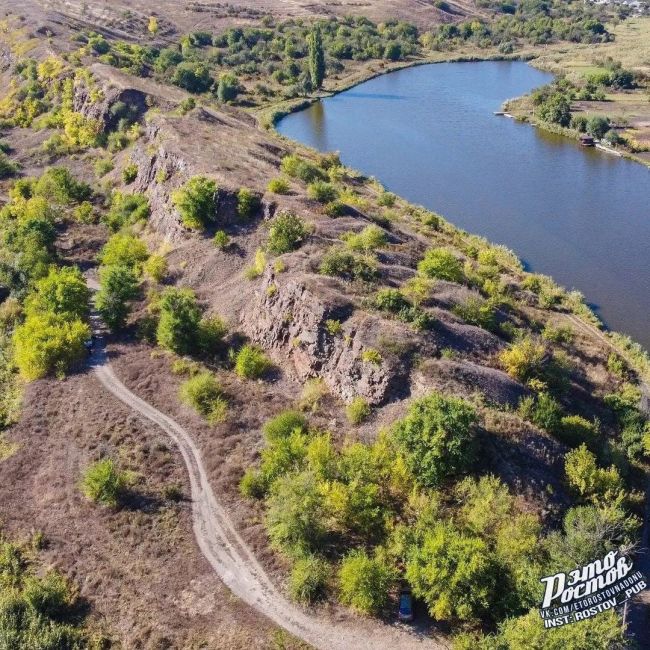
(316, 57)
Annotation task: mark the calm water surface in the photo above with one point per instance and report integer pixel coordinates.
(429, 134)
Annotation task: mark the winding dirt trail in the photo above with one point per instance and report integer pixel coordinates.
(229, 555)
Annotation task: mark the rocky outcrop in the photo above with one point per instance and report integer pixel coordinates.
(290, 316)
(113, 104)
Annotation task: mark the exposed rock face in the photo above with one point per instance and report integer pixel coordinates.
(290, 315)
(84, 103)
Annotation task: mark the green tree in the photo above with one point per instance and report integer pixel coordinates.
(104, 483)
(119, 284)
(49, 343)
(316, 57)
(595, 483)
(123, 249)
(63, 291)
(598, 126)
(179, 320)
(197, 202)
(59, 186)
(286, 232)
(228, 87)
(436, 438)
(365, 582)
(453, 573)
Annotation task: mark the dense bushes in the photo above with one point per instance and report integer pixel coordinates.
(119, 284)
(204, 394)
(179, 320)
(441, 263)
(251, 362)
(337, 261)
(365, 582)
(285, 233)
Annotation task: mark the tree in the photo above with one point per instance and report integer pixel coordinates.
(436, 438)
(365, 582)
(197, 202)
(294, 518)
(228, 87)
(123, 249)
(595, 483)
(597, 126)
(453, 573)
(119, 284)
(193, 77)
(59, 186)
(179, 320)
(47, 343)
(63, 291)
(104, 483)
(316, 57)
(556, 109)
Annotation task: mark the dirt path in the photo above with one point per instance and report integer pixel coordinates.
(229, 555)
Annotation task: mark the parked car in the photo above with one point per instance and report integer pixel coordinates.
(405, 606)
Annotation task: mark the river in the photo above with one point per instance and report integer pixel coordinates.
(428, 133)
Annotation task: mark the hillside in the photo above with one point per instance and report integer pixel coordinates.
(311, 390)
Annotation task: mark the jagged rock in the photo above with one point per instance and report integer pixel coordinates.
(289, 316)
(86, 104)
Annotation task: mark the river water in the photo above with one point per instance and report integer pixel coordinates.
(428, 133)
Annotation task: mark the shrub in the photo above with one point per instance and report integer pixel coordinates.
(63, 292)
(441, 263)
(333, 327)
(194, 77)
(253, 485)
(334, 209)
(344, 264)
(155, 268)
(221, 240)
(597, 126)
(203, 393)
(278, 186)
(251, 362)
(83, 213)
(308, 580)
(370, 355)
(369, 239)
(479, 312)
(436, 438)
(357, 410)
(49, 343)
(104, 483)
(575, 430)
(129, 173)
(123, 249)
(597, 484)
(386, 199)
(543, 411)
(322, 192)
(7, 168)
(119, 284)
(297, 167)
(558, 334)
(248, 204)
(257, 267)
(286, 232)
(178, 324)
(525, 359)
(126, 209)
(284, 424)
(453, 573)
(365, 582)
(209, 337)
(196, 202)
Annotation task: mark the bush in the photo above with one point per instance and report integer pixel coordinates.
(297, 167)
(345, 264)
(278, 186)
(203, 393)
(285, 233)
(542, 410)
(155, 268)
(194, 77)
(179, 320)
(479, 312)
(248, 204)
(357, 410)
(597, 126)
(365, 582)
(129, 173)
(436, 438)
(58, 186)
(49, 343)
(127, 209)
(453, 573)
(283, 425)
(196, 202)
(221, 240)
(228, 88)
(308, 580)
(575, 430)
(123, 249)
(441, 263)
(322, 192)
(601, 486)
(369, 239)
(63, 292)
(104, 483)
(7, 168)
(525, 359)
(257, 267)
(251, 362)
